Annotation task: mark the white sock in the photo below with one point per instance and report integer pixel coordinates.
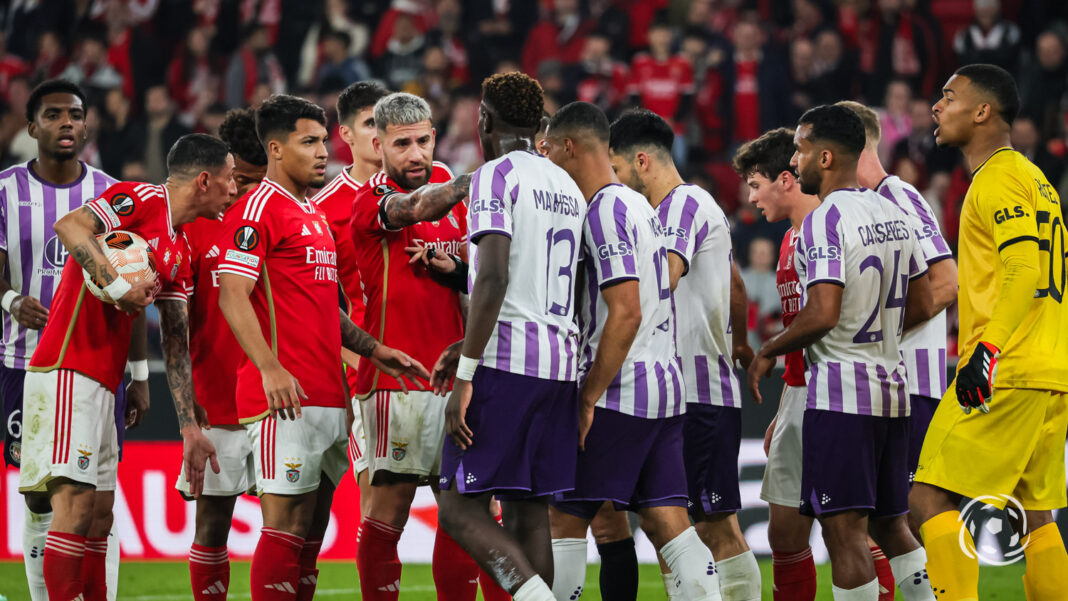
(34, 533)
(534, 589)
(692, 564)
(864, 592)
(739, 577)
(569, 568)
(111, 562)
(910, 574)
(670, 588)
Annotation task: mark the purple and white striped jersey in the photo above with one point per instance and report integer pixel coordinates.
(29, 209)
(924, 346)
(696, 229)
(860, 241)
(535, 203)
(623, 240)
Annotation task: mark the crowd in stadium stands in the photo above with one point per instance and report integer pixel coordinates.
(721, 71)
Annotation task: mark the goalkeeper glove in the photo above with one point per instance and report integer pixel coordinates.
(975, 381)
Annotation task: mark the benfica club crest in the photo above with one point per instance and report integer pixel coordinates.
(452, 220)
(400, 450)
(293, 473)
(83, 458)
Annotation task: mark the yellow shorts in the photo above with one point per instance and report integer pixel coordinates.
(1015, 450)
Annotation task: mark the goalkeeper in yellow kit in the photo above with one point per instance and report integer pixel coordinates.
(1000, 430)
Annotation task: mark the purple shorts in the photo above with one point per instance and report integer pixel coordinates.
(524, 438)
(632, 461)
(851, 461)
(11, 383)
(922, 410)
(711, 439)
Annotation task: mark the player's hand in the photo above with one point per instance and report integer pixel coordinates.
(585, 422)
(456, 413)
(197, 452)
(140, 295)
(760, 367)
(445, 369)
(29, 312)
(136, 403)
(432, 258)
(742, 355)
(975, 381)
(768, 434)
(283, 392)
(399, 366)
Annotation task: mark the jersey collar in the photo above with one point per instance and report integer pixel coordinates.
(305, 206)
(992, 155)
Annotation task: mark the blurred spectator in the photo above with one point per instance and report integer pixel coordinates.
(114, 135)
(802, 77)
(598, 78)
(385, 30)
(1044, 82)
(448, 36)
(436, 84)
(459, 148)
(561, 36)
(20, 146)
(834, 74)
(211, 119)
(661, 81)
(989, 38)
(1026, 140)
(253, 64)
(808, 19)
(51, 56)
(919, 147)
(707, 54)
(895, 120)
(10, 66)
(338, 19)
(154, 134)
(905, 47)
(338, 61)
(90, 68)
(756, 86)
(614, 23)
(760, 286)
(190, 79)
(402, 61)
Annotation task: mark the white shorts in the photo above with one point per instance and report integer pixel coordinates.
(357, 441)
(236, 470)
(782, 475)
(291, 456)
(68, 431)
(404, 432)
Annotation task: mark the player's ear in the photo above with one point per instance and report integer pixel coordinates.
(31, 128)
(274, 149)
(202, 180)
(346, 134)
(983, 112)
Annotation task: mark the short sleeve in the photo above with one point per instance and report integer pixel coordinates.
(493, 194)
(122, 206)
(368, 210)
(921, 219)
(681, 220)
(820, 247)
(1006, 207)
(610, 242)
(918, 260)
(244, 239)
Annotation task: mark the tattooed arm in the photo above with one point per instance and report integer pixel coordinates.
(174, 335)
(77, 231)
(429, 203)
(390, 361)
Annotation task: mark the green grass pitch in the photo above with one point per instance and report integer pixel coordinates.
(169, 581)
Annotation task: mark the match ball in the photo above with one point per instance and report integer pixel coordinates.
(132, 258)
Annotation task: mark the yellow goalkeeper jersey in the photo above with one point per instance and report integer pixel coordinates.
(1010, 202)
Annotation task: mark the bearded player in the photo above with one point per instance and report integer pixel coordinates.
(277, 283)
(216, 356)
(79, 362)
(1012, 378)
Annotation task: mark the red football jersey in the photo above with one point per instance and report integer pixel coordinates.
(790, 295)
(284, 244)
(214, 351)
(336, 201)
(89, 336)
(661, 84)
(406, 309)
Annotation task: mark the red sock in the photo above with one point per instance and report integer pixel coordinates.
(377, 561)
(276, 566)
(491, 591)
(455, 573)
(63, 556)
(94, 569)
(209, 572)
(794, 576)
(309, 575)
(884, 573)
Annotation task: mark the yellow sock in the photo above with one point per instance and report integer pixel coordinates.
(1046, 577)
(954, 576)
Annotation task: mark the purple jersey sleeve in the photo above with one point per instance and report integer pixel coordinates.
(684, 227)
(609, 240)
(493, 194)
(820, 247)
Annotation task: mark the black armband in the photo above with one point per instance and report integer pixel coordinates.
(457, 280)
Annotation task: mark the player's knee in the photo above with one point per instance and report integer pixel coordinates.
(72, 506)
(926, 501)
(788, 537)
(609, 527)
(212, 528)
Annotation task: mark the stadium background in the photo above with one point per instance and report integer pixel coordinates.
(724, 71)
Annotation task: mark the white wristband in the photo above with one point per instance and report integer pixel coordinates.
(466, 368)
(117, 288)
(138, 370)
(9, 297)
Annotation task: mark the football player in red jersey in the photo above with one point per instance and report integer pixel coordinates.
(279, 291)
(215, 358)
(412, 309)
(356, 114)
(79, 363)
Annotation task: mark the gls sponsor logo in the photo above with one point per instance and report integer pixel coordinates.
(619, 249)
(487, 205)
(1003, 215)
(824, 253)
